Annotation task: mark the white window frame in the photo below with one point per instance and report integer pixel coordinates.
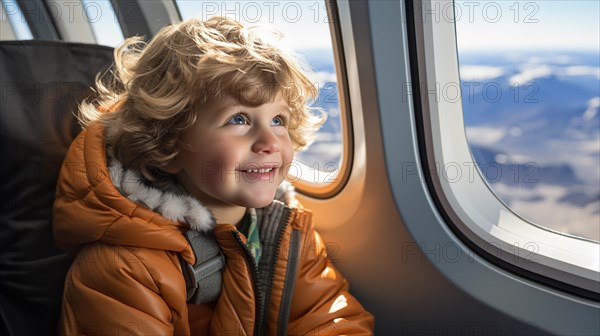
(71, 20)
(6, 30)
(381, 69)
(106, 12)
(11, 27)
(476, 210)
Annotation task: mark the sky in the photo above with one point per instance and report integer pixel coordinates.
(304, 24)
(546, 24)
(481, 25)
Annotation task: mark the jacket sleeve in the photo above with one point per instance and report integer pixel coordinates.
(321, 304)
(116, 290)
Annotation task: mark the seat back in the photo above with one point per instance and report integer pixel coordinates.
(41, 84)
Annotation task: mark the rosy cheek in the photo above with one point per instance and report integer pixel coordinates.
(288, 155)
(287, 149)
(227, 157)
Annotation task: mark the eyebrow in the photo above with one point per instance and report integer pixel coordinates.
(285, 108)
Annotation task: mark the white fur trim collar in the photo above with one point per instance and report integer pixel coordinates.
(172, 202)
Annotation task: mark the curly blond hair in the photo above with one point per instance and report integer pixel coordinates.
(154, 90)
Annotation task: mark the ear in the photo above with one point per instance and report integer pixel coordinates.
(174, 167)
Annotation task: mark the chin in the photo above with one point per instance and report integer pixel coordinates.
(258, 200)
(258, 203)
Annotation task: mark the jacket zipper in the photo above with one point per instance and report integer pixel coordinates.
(273, 268)
(289, 283)
(255, 283)
(261, 311)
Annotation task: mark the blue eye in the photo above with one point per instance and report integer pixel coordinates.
(238, 119)
(278, 121)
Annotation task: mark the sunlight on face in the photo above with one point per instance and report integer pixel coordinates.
(239, 155)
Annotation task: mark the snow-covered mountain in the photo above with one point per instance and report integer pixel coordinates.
(533, 115)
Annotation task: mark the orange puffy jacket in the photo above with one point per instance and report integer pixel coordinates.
(127, 279)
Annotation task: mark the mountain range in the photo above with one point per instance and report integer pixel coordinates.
(534, 115)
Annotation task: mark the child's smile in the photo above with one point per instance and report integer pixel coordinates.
(237, 155)
(262, 173)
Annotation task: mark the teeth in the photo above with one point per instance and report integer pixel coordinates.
(261, 170)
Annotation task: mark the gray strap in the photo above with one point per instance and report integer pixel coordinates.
(203, 280)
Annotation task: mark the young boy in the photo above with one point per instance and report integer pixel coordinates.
(196, 131)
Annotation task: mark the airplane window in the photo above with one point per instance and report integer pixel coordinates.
(305, 25)
(101, 15)
(500, 112)
(530, 85)
(17, 19)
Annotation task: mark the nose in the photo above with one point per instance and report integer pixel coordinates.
(265, 141)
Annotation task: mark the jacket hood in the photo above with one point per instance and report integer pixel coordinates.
(97, 199)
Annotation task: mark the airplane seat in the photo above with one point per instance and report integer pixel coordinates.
(41, 84)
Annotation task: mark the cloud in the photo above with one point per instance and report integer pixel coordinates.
(592, 110)
(322, 77)
(479, 72)
(556, 59)
(542, 206)
(581, 70)
(580, 153)
(530, 73)
(483, 136)
(333, 112)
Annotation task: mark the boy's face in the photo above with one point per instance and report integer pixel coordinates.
(239, 155)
